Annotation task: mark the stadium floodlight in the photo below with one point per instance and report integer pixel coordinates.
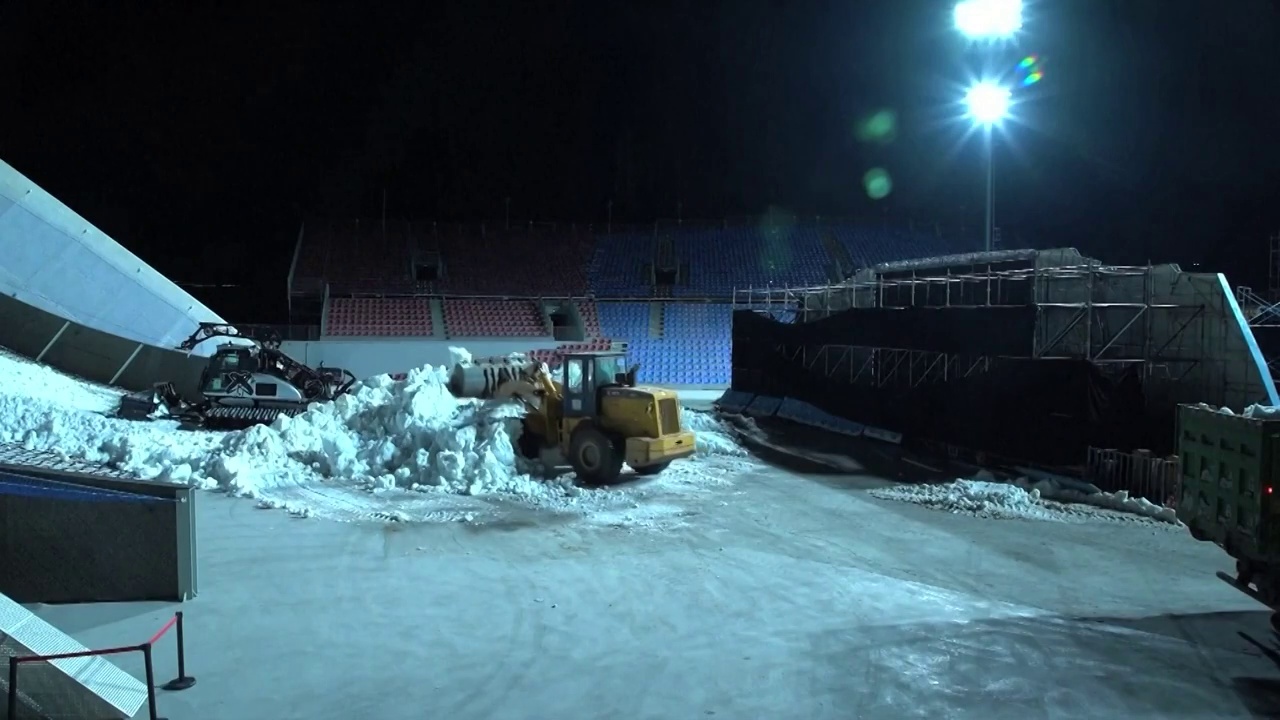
(988, 103)
(988, 19)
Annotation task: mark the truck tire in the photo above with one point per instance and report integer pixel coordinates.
(652, 469)
(594, 456)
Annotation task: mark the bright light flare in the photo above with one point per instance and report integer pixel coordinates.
(988, 19)
(988, 103)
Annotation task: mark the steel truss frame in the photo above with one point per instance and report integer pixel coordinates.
(1115, 334)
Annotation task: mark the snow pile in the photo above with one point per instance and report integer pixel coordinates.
(389, 449)
(42, 383)
(973, 497)
(1256, 411)
(714, 436)
(1261, 412)
(1027, 500)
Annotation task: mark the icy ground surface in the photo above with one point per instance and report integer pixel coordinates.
(783, 597)
(390, 450)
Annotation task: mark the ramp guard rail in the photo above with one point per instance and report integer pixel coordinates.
(181, 682)
(1140, 473)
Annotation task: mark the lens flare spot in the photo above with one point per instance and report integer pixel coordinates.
(877, 183)
(1030, 70)
(878, 127)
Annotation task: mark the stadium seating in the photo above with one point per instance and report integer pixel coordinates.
(465, 317)
(554, 357)
(617, 265)
(379, 316)
(520, 262)
(590, 318)
(694, 348)
(721, 260)
(355, 254)
(869, 245)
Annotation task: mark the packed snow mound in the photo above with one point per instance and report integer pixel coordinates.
(389, 449)
(43, 382)
(386, 433)
(1027, 500)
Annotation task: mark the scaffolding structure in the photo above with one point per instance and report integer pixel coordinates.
(1114, 317)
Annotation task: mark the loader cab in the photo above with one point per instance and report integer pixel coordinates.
(585, 374)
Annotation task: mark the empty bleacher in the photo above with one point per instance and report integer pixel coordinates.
(392, 316)
(720, 260)
(870, 245)
(618, 265)
(537, 262)
(469, 317)
(355, 254)
(590, 315)
(694, 348)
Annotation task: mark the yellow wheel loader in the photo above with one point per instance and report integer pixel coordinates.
(597, 419)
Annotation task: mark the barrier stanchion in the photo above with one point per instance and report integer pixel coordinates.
(183, 680)
(12, 703)
(151, 682)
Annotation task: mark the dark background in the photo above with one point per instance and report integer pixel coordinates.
(199, 137)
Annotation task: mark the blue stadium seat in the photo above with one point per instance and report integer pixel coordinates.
(695, 346)
(721, 260)
(871, 245)
(617, 265)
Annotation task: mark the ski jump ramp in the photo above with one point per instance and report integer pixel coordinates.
(85, 685)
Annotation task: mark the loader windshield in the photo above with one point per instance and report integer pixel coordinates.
(608, 368)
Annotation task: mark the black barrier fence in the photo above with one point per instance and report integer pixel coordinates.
(77, 538)
(1007, 331)
(1045, 411)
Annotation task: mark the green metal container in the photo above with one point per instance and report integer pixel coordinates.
(1228, 476)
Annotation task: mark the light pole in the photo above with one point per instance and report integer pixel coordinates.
(987, 104)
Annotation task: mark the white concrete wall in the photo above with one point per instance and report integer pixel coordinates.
(55, 260)
(366, 357)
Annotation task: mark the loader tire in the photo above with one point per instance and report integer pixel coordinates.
(653, 469)
(594, 456)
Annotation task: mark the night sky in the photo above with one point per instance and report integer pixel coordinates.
(200, 138)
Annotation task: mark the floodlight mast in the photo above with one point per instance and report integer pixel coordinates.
(988, 105)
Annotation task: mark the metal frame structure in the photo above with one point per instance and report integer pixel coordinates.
(1103, 314)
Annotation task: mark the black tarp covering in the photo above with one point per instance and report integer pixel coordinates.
(1005, 331)
(1046, 411)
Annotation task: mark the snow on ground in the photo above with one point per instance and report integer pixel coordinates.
(1026, 500)
(393, 450)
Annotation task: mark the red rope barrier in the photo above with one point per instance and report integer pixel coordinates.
(160, 633)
